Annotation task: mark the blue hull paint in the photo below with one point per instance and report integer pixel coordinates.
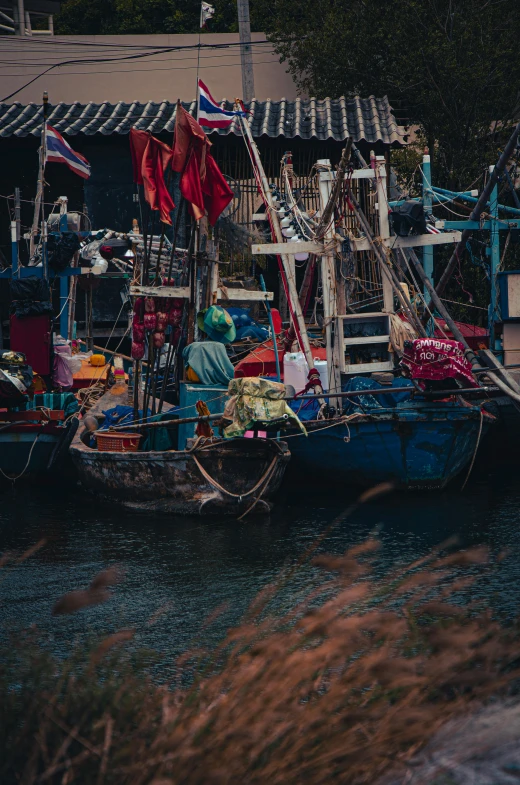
(414, 446)
(16, 457)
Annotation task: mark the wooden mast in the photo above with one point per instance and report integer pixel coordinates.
(289, 269)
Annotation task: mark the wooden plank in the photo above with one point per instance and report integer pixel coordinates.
(412, 241)
(287, 248)
(357, 174)
(366, 339)
(181, 292)
(245, 295)
(376, 367)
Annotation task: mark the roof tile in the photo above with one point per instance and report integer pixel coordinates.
(365, 119)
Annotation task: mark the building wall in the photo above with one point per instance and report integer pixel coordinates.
(159, 75)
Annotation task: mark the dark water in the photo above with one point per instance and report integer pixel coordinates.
(188, 567)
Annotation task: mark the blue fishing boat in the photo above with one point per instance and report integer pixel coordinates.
(36, 434)
(416, 444)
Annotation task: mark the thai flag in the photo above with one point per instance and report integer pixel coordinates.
(60, 152)
(211, 115)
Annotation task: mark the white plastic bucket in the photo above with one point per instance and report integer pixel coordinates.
(323, 370)
(295, 370)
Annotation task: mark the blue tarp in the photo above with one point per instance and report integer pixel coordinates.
(388, 400)
(308, 410)
(245, 326)
(156, 438)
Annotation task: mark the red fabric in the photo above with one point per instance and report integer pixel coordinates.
(191, 186)
(277, 321)
(149, 161)
(434, 359)
(217, 193)
(202, 183)
(138, 142)
(188, 134)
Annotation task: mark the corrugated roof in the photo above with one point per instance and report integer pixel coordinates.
(364, 119)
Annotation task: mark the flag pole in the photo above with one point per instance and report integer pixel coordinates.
(39, 203)
(198, 66)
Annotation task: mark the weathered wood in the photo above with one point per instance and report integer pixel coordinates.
(245, 295)
(412, 241)
(221, 476)
(180, 292)
(306, 246)
(183, 293)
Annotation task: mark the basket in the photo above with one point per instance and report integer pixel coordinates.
(112, 441)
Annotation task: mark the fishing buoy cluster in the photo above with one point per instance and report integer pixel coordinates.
(294, 222)
(152, 317)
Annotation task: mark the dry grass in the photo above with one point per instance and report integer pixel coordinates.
(348, 684)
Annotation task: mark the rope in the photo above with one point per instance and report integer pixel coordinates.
(475, 451)
(341, 421)
(265, 477)
(14, 479)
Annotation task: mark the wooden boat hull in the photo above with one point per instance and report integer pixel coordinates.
(418, 447)
(177, 481)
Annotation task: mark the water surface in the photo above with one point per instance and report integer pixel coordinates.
(187, 567)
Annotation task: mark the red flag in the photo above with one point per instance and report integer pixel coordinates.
(150, 158)
(216, 191)
(188, 134)
(202, 183)
(138, 142)
(191, 186)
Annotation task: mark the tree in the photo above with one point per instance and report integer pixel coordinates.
(120, 17)
(452, 65)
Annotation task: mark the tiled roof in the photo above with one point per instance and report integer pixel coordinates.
(364, 119)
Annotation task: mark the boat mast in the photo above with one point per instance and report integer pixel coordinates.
(288, 266)
(39, 203)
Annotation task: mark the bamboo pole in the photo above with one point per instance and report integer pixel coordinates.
(386, 269)
(286, 264)
(507, 387)
(347, 394)
(328, 211)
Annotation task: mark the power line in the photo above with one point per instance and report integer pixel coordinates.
(55, 42)
(22, 63)
(137, 56)
(142, 70)
(23, 60)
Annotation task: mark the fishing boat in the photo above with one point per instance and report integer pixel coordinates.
(429, 436)
(35, 429)
(417, 445)
(210, 476)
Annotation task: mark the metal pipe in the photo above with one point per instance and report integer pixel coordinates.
(382, 391)
(479, 207)
(467, 197)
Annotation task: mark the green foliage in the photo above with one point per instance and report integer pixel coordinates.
(124, 17)
(452, 66)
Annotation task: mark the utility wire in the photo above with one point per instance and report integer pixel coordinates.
(138, 56)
